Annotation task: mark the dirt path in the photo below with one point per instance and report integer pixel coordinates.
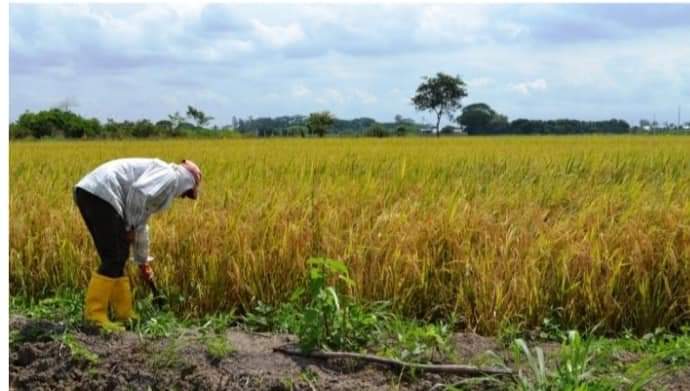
(126, 361)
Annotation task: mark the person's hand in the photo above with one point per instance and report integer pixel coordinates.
(146, 271)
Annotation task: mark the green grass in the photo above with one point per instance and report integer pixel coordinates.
(596, 363)
(78, 350)
(168, 356)
(412, 341)
(217, 347)
(65, 306)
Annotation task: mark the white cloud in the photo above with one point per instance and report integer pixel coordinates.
(335, 56)
(172, 101)
(208, 95)
(65, 71)
(512, 30)
(526, 88)
(273, 96)
(331, 96)
(300, 90)
(320, 14)
(365, 97)
(479, 82)
(214, 51)
(278, 36)
(188, 10)
(451, 24)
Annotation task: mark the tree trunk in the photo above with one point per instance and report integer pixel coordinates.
(438, 122)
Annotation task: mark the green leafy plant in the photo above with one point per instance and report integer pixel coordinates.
(575, 366)
(167, 357)
(536, 365)
(260, 318)
(281, 318)
(662, 353)
(78, 350)
(411, 341)
(15, 338)
(162, 325)
(65, 306)
(156, 323)
(550, 330)
(309, 375)
(331, 320)
(217, 347)
(218, 322)
(288, 383)
(508, 332)
(324, 317)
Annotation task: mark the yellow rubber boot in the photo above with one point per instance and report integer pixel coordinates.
(121, 299)
(97, 298)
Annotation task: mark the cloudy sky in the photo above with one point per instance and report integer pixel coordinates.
(541, 61)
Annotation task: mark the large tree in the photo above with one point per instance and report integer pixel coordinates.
(176, 119)
(199, 116)
(318, 123)
(481, 118)
(57, 122)
(440, 94)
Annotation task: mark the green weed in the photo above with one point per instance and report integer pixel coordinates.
(281, 318)
(157, 323)
(574, 369)
(167, 357)
(218, 323)
(217, 347)
(15, 338)
(65, 306)
(78, 350)
(537, 367)
(330, 319)
(411, 341)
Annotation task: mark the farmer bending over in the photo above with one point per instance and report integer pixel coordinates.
(116, 200)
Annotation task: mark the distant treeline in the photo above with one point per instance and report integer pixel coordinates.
(559, 126)
(297, 125)
(60, 123)
(480, 118)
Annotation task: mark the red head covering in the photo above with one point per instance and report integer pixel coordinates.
(193, 169)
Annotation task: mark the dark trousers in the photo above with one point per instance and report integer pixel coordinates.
(108, 231)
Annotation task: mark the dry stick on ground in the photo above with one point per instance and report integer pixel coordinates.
(462, 370)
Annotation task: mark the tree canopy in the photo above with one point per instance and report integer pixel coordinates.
(318, 123)
(481, 118)
(199, 116)
(441, 94)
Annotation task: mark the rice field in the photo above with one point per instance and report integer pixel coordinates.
(493, 231)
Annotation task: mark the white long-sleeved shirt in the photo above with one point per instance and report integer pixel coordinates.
(137, 188)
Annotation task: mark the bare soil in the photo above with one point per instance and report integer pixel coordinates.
(126, 361)
(39, 360)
